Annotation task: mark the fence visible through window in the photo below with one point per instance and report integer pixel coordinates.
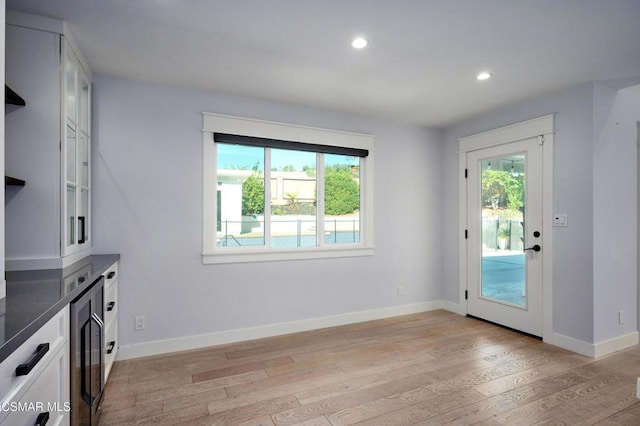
(502, 234)
(287, 233)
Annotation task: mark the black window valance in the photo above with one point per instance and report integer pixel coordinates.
(291, 145)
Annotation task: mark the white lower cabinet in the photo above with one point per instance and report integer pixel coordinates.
(35, 388)
(111, 339)
(46, 401)
(110, 318)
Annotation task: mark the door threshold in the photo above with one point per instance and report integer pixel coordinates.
(507, 328)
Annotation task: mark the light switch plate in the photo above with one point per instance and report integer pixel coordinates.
(560, 219)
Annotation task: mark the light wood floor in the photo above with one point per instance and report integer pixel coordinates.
(434, 368)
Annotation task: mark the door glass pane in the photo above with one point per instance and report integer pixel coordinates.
(83, 160)
(293, 199)
(503, 258)
(241, 203)
(71, 96)
(341, 199)
(71, 215)
(71, 154)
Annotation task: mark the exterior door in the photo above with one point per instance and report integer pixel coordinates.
(505, 239)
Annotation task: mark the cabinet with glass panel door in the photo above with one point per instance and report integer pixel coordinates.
(77, 158)
(48, 144)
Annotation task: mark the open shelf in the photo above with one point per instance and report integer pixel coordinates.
(10, 181)
(12, 98)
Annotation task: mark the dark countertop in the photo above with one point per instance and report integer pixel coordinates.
(34, 297)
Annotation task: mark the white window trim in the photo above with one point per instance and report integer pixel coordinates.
(274, 130)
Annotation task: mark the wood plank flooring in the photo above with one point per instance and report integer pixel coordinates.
(435, 368)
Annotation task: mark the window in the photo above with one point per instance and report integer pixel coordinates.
(274, 191)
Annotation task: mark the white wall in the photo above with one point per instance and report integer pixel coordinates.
(573, 195)
(147, 206)
(615, 210)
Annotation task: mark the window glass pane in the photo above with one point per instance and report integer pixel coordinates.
(241, 200)
(293, 199)
(341, 199)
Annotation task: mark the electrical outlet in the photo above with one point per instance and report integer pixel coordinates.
(620, 317)
(139, 323)
(401, 291)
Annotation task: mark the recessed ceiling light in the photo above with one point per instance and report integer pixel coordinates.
(484, 76)
(359, 43)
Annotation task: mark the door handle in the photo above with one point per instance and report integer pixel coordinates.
(535, 248)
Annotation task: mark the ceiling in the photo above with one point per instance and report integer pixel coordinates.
(419, 67)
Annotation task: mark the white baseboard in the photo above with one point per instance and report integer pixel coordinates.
(595, 350)
(616, 344)
(231, 336)
(456, 308)
(569, 343)
(238, 335)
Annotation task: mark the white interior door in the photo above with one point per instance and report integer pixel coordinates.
(505, 240)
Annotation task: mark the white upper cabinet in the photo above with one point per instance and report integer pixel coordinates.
(48, 144)
(77, 134)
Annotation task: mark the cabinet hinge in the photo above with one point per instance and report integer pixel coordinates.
(466, 295)
(541, 140)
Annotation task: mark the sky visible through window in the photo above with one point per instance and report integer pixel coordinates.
(241, 157)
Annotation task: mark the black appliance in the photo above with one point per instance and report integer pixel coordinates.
(87, 355)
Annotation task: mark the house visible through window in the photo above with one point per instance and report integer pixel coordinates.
(281, 196)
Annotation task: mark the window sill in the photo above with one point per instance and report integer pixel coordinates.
(243, 256)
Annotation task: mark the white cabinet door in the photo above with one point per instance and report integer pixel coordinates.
(76, 182)
(47, 398)
(44, 385)
(110, 317)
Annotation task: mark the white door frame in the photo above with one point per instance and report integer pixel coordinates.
(541, 127)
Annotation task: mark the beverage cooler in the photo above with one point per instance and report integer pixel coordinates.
(87, 355)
